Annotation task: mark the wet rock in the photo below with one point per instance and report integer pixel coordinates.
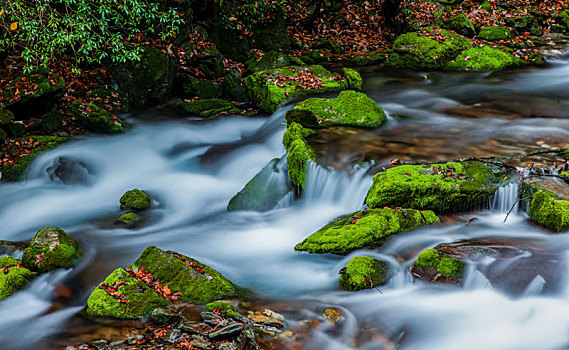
(230, 331)
(96, 118)
(135, 200)
(123, 296)
(131, 220)
(364, 272)
(433, 265)
(208, 107)
(443, 188)
(265, 320)
(265, 190)
(333, 316)
(195, 328)
(69, 171)
(371, 58)
(50, 249)
(163, 316)
(350, 108)
(12, 248)
(364, 230)
(100, 344)
(549, 211)
(269, 96)
(148, 81)
(13, 276)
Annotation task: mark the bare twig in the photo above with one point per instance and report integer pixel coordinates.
(513, 206)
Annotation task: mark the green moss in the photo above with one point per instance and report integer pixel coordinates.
(210, 62)
(270, 60)
(371, 58)
(208, 107)
(5, 117)
(50, 249)
(330, 45)
(429, 187)
(486, 6)
(562, 19)
(415, 51)
(314, 56)
(225, 309)
(364, 272)
(299, 154)
(51, 122)
(233, 86)
(350, 108)
(549, 212)
(263, 191)
(108, 99)
(451, 267)
(135, 200)
(199, 287)
(522, 23)
(495, 33)
(428, 258)
(202, 88)
(96, 118)
(131, 219)
(354, 78)
(141, 299)
(50, 86)
(358, 230)
(484, 59)
(16, 171)
(460, 24)
(13, 278)
(267, 96)
(443, 264)
(294, 132)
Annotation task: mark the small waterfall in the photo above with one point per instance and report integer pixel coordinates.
(339, 187)
(505, 198)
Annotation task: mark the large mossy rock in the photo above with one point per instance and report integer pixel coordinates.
(495, 33)
(270, 60)
(13, 276)
(443, 188)
(202, 88)
(135, 200)
(484, 59)
(197, 282)
(433, 265)
(208, 107)
(364, 230)
(265, 190)
(136, 298)
(148, 81)
(350, 108)
(50, 249)
(272, 88)
(522, 23)
(299, 153)
(233, 86)
(548, 210)
(423, 50)
(210, 62)
(96, 118)
(49, 87)
(364, 272)
(460, 24)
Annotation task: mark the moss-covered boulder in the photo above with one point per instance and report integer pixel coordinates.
(265, 190)
(210, 62)
(354, 78)
(562, 19)
(364, 230)
(109, 100)
(148, 81)
(207, 108)
(371, 58)
(443, 188)
(135, 200)
(13, 276)
(431, 49)
(433, 265)
(196, 282)
(131, 219)
(271, 89)
(16, 171)
(46, 88)
(123, 296)
(495, 33)
(270, 60)
(521, 23)
(202, 88)
(233, 86)
(484, 59)
(96, 118)
(314, 56)
(50, 249)
(329, 45)
(299, 153)
(230, 42)
(350, 108)
(364, 272)
(460, 24)
(51, 122)
(548, 210)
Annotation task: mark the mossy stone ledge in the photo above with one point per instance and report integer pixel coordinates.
(433, 265)
(364, 230)
(443, 188)
(350, 108)
(364, 272)
(50, 249)
(548, 210)
(13, 276)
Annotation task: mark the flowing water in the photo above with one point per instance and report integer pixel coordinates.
(517, 300)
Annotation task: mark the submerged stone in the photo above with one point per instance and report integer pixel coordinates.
(364, 230)
(135, 199)
(265, 190)
(433, 265)
(364, 272)
(350, 108)
(443, 188)
(272, 88)
(50, 249)
(123, 296)
(13, 276)
(131, 219)
(548, 210)
(484, 59)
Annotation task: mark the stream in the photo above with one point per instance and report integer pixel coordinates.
(192, 168)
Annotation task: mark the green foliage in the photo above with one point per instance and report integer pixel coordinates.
(88, 31)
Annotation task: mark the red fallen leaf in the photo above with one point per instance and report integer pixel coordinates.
(39, 258)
